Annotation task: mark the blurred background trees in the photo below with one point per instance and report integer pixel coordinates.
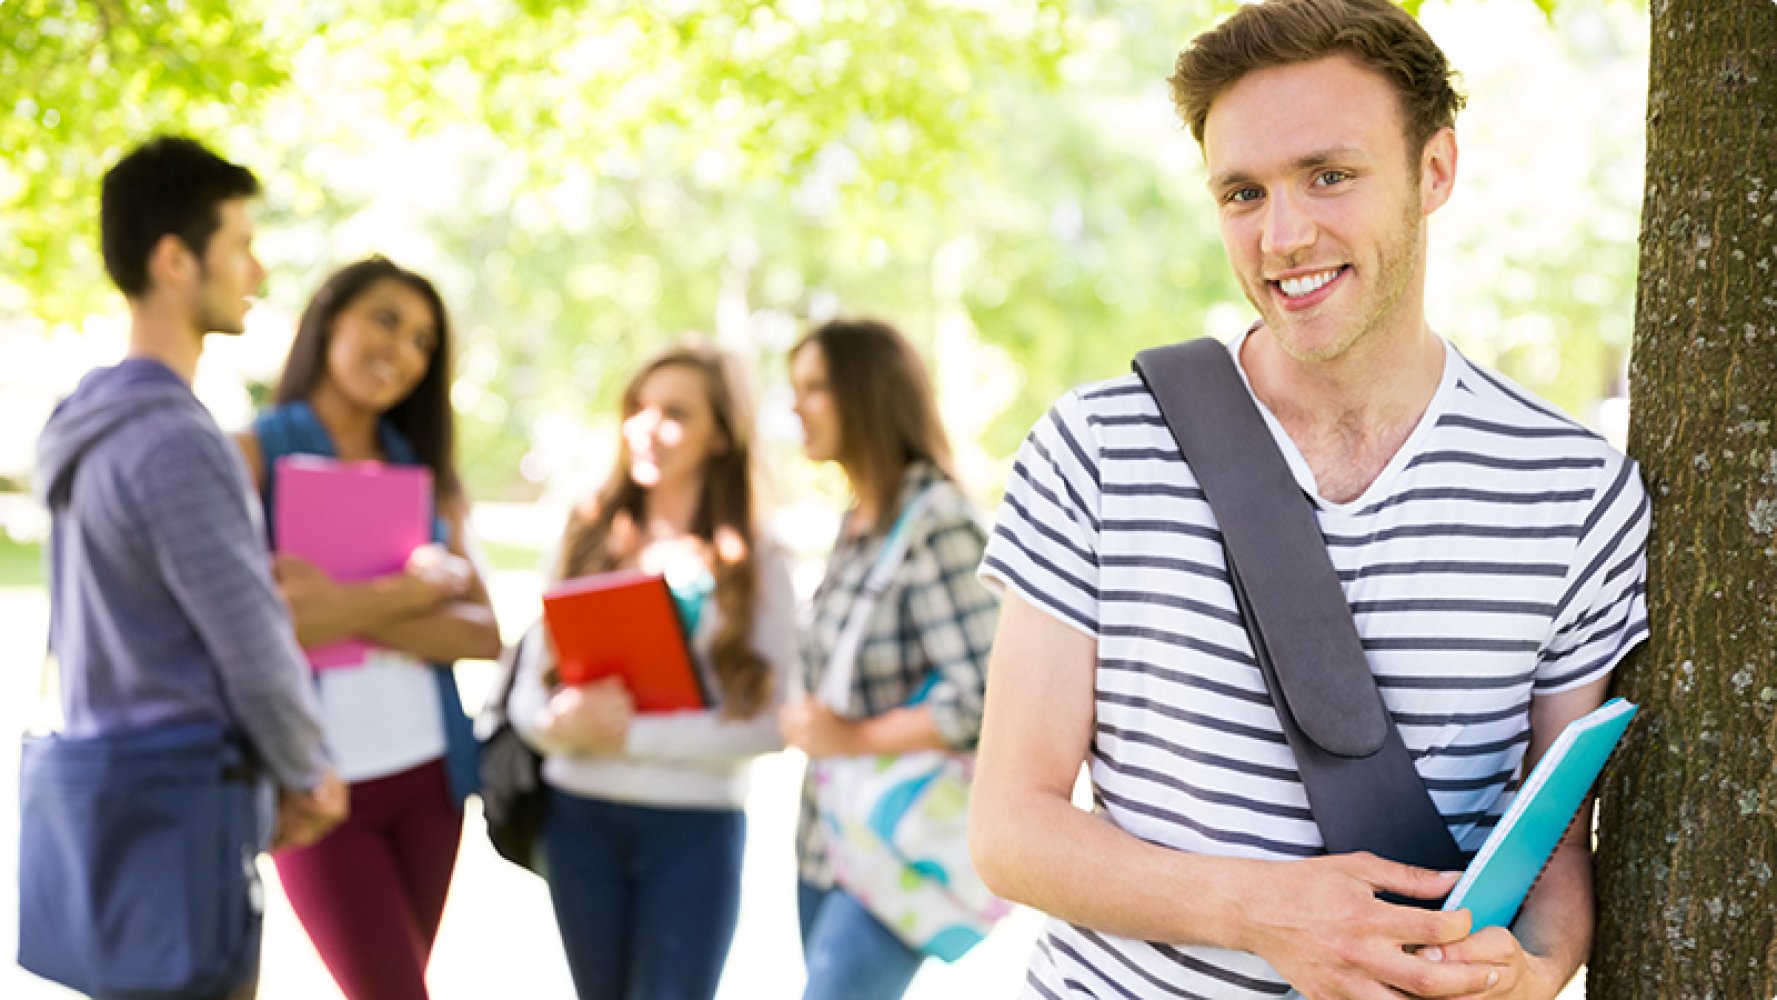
(1006, 181)
(1003, 178)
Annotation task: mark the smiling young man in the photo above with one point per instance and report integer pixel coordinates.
(163, 607)
(1491, 550)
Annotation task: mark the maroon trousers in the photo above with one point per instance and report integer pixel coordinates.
(370, 894)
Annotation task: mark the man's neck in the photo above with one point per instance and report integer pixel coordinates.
(1384, 381)
(1349, 416)
(161, 332)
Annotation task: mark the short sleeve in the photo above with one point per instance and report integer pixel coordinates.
(1044, 545)
(1602, 614)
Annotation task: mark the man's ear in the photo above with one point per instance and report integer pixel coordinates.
(172, 264)
(1437, 170)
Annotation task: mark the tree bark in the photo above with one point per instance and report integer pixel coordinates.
(1687, 861)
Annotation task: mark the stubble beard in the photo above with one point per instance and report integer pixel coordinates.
(1396, 261)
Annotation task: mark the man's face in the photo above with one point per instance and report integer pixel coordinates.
(230, 274)
(1322, 212)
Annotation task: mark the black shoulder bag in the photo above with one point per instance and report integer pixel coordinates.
(513, 798)
(1361, 784)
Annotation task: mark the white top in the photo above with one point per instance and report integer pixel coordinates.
(381, 717)
(687, 760)
(1498, 556)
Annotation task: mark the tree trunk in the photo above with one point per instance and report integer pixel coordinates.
(1687, 862)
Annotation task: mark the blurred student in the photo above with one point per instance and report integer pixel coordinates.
(162, 601)
(866, 403)
(645, 829)
(368, 378)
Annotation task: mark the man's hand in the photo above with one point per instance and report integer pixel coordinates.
(1520, 974)
(305, 817)
(593, 718)
(816, 730)
(1319, 923)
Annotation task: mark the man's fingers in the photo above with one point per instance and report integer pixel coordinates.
(1418, 976)
(1490, 945)
(1403, 880)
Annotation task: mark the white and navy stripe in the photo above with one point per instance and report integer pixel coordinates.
(1499, 556)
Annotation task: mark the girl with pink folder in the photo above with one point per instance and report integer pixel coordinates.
(644, 830)
(367, 380)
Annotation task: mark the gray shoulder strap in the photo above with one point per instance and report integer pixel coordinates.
(1361, 783)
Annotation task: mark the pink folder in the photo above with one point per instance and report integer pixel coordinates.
(356, 520)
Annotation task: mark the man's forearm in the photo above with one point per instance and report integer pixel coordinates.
(1557, 920)
(1039, 849)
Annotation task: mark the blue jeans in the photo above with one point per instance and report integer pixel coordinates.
(849, 953)
(646, 898)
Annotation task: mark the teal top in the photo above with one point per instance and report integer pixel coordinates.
(689, 596)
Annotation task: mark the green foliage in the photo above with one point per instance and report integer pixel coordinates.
(587, 181)
(761, 91)
(21, 563)
(79, 83)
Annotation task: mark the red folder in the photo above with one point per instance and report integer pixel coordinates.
(626, 624)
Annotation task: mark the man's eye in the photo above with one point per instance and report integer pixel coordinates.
(1330, 177)
(1242, 194)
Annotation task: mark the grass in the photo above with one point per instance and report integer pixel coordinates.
(509, 556)
(21, 563)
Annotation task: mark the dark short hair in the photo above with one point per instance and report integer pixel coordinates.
(167, 186)
(1380, 36)
(425, 416)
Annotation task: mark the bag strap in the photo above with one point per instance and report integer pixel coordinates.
(836, 683)
(501, 695)
(1362, 787)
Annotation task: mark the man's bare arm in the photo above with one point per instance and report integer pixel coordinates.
(1553, 933)
(1317, 921)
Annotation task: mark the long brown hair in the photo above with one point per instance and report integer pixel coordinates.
(424, 417)
(601, 532)
(888, 414)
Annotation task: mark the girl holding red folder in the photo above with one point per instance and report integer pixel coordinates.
(368, 378)
(644, 830)
(919, 673)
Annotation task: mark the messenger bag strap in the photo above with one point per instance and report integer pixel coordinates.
(1362, 787)
(842, 664)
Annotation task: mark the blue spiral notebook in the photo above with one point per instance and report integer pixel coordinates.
(1505, 868)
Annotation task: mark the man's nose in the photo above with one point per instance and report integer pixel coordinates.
(1288, 228)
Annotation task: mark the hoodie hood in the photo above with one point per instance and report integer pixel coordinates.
(104, 400)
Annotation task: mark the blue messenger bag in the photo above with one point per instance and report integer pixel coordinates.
(136, 862)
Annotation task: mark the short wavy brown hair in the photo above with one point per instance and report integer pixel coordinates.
(1379, 35)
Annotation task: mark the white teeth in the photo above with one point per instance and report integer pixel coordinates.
(1298, 287)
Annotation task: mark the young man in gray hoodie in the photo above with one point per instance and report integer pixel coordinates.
(163, 606)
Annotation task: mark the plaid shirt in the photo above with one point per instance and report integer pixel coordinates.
(935, 618)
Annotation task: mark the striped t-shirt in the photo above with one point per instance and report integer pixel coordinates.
(1500, 555)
